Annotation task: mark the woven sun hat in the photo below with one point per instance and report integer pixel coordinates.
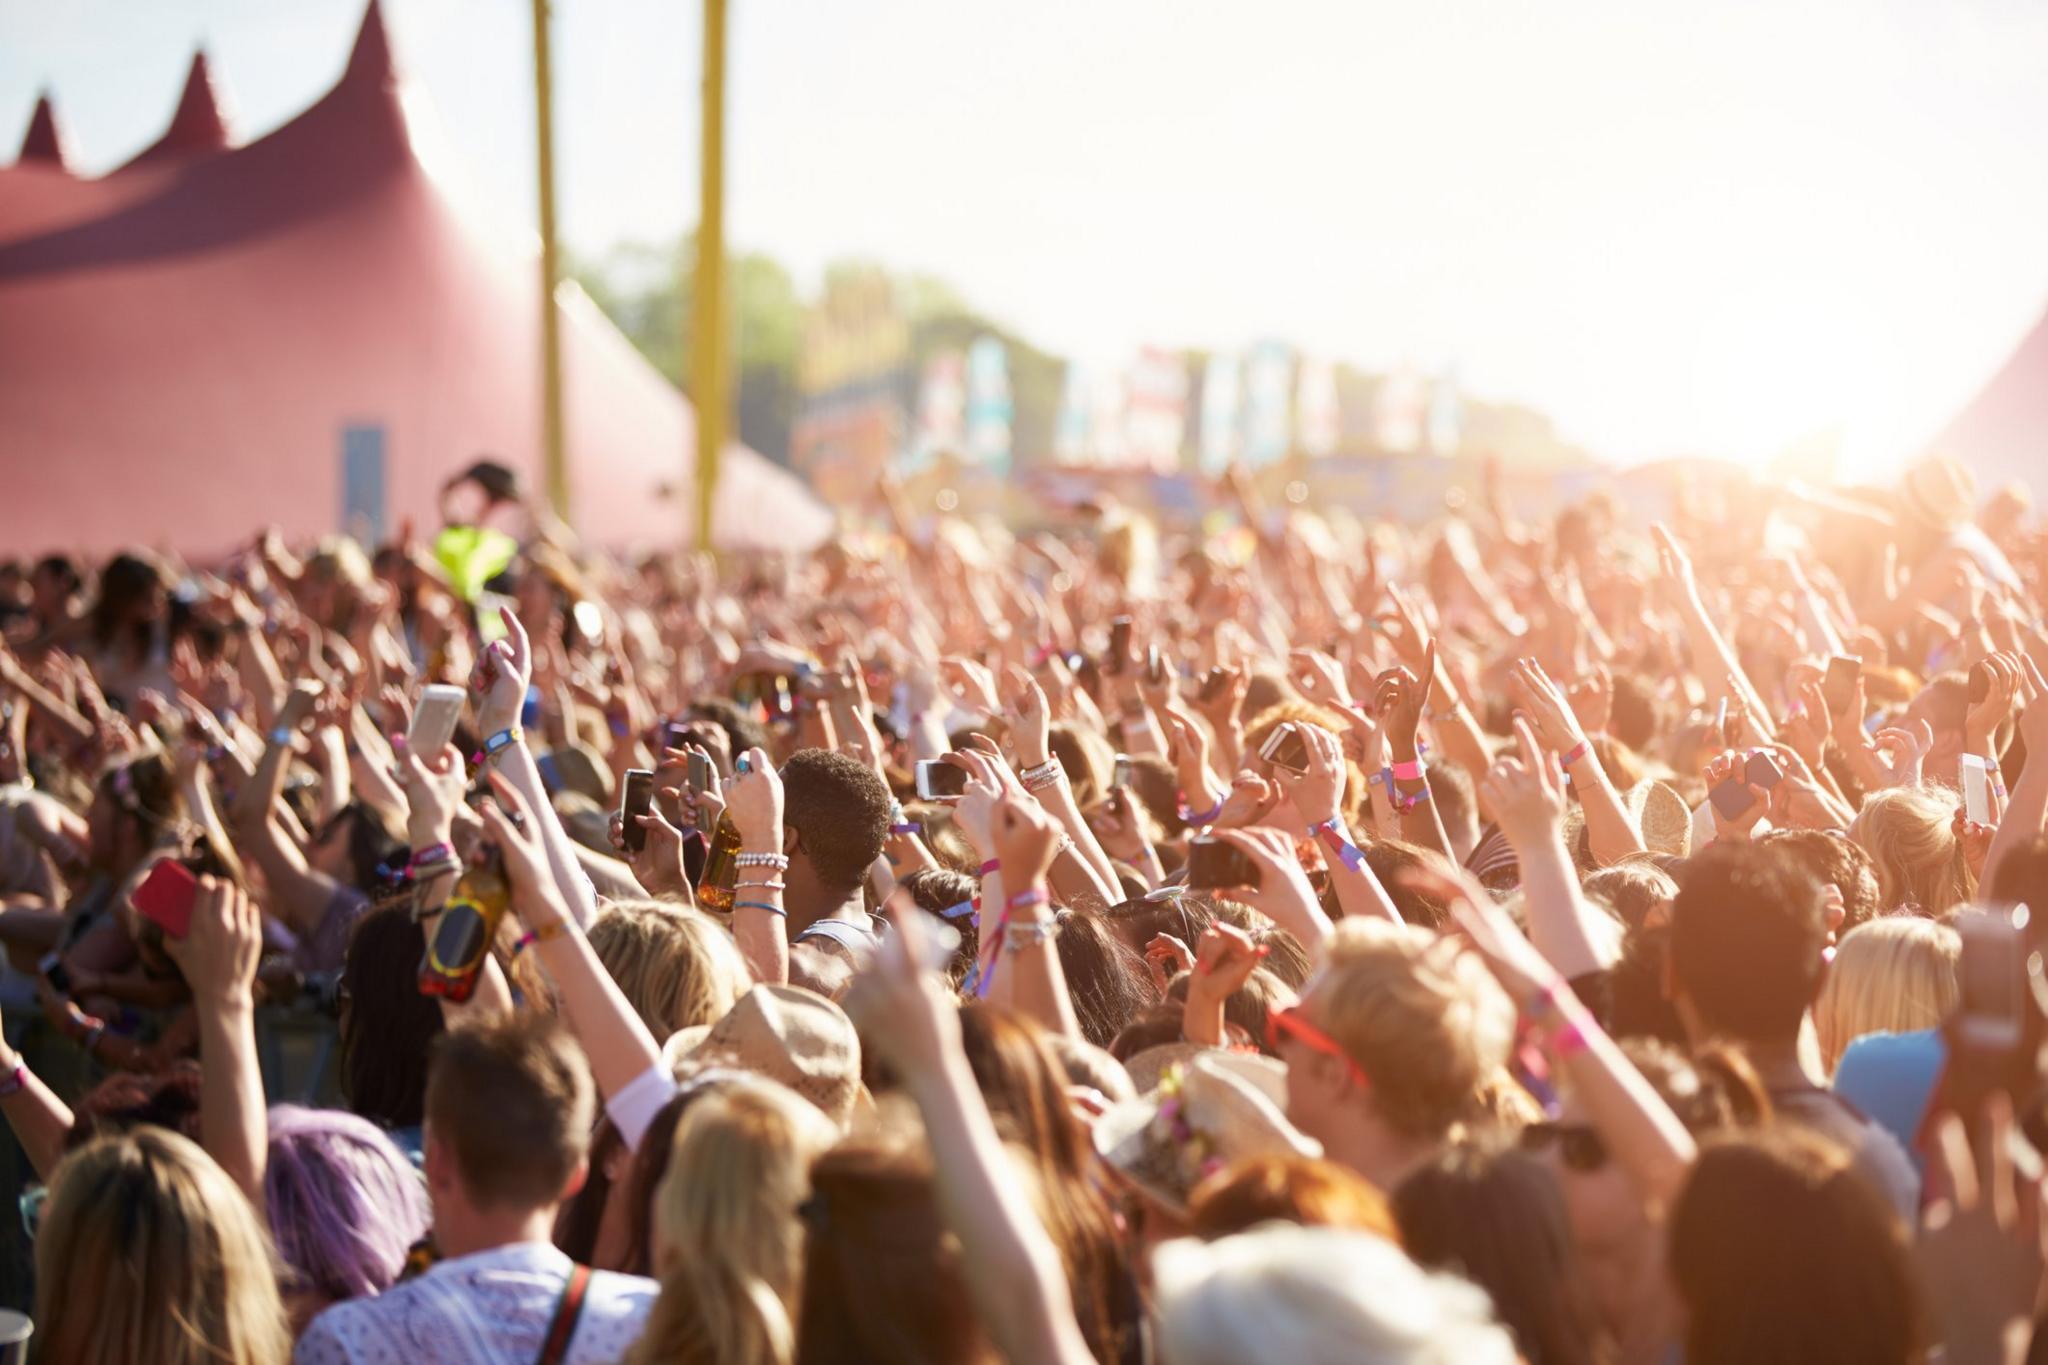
(1205, 1114)
(787, 1034)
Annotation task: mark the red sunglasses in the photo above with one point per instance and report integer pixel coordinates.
(1290, 1022)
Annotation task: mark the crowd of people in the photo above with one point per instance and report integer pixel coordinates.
(1300, 937)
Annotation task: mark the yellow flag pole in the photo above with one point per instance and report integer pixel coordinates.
(554, 458)
(710, 360)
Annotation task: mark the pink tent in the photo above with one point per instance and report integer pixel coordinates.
(303, 332)
(2003, 434)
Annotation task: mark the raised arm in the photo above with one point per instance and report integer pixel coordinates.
(1526, 795)
(218, 957)
(1011, 1265)
(613, 1036)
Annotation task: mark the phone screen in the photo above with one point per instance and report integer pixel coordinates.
(1732, 798)
(1122, 773)
(1840, 686)
(52, 968)
(1976, 789)
(702, 775)
(1285, 748)
(1214, 865)
(937, 779)
(1762, 771)
(637, 800)
(1119, 645)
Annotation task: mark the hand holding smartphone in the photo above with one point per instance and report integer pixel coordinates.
(1216, 866)
(938, 780)
(1286, 748)
(434, 720)
(636, 800)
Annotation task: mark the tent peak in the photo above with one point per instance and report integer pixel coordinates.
(45, 142)
(197, 127)
(369, 63)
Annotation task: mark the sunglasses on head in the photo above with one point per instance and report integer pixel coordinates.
(1290, 1022)
(1578, 1145)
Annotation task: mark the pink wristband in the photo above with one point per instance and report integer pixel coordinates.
(1411, 771)
(1024, 900)
(992, 866)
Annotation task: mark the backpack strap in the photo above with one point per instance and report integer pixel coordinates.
(562, 1327)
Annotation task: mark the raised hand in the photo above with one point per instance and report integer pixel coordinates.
(433, 793)
(1027, 839)
(1524, 790)
(1319, 678)
(219, 952)
(1030, 718)
(1721, 768)
(1283, 894)
(1167, 957)
(1544, 703)
(1318, 792)
(1399, 699)
(658, 863)
(753, 801)
(503, 672)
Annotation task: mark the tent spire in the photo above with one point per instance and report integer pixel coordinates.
(370, 61)
(198, 127)
(44, 142)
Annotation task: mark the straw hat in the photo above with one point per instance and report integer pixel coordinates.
(1657, 810)
(785, 1033)
(1207, 1112)
(1939, 492)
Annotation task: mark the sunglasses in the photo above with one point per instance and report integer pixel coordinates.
(1578, 1145)
(1289, 1022)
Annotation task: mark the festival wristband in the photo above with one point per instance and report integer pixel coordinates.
(1577, 752)
(761, 905)
(1025, 900)
(1347, 852)
(1409, 771)
(548, 932)
(991, 867)
(960, 911)
(906, 827)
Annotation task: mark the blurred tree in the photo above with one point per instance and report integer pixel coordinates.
(646, 289)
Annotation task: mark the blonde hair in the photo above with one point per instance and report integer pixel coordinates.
(1423, 1018)
(1891, 975)
(148, 1252)
(1909, 833)
(676, 965)
(728, 1241)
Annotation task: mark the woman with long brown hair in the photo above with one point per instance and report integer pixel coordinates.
(147, 1254)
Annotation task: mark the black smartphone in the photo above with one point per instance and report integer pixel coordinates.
(1762, 771)
(1840, 686)
(1286, 748)
(674, 735)
(1119, 645)
(1216, 866)
(636, 800)
(938, 779)
(702, 776)
(1121, 774)
(1732, 797)
(52, 968)
(1214, 683)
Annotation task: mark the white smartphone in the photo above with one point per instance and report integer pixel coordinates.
(1976, 790)
(434, 718)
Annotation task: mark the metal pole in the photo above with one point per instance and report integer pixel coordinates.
(554, 458)
(710, 359)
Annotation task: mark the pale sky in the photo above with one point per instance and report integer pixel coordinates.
(1676, 227)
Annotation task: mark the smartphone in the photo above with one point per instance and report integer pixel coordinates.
(1839, 687)
(1214, 865)
(702, 776)
(1980, 681)
(636, 800)
(1155, 665)
(1976, 789)
(1121, 776)
(674, 735)
(1991, 977)
(1214, 683)
(1732, 797)
(1285, 748)
(434, 719)
(1119, 645)
(1762, 771)
(165, 897)
(52, 968)
(938, 779)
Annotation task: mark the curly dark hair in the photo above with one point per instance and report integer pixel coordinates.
(840, 812)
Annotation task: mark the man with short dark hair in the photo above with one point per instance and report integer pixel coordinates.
(1748, 930)
(509, 1109)
(835, 818)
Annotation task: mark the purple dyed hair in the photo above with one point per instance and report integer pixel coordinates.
(344, 1203)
